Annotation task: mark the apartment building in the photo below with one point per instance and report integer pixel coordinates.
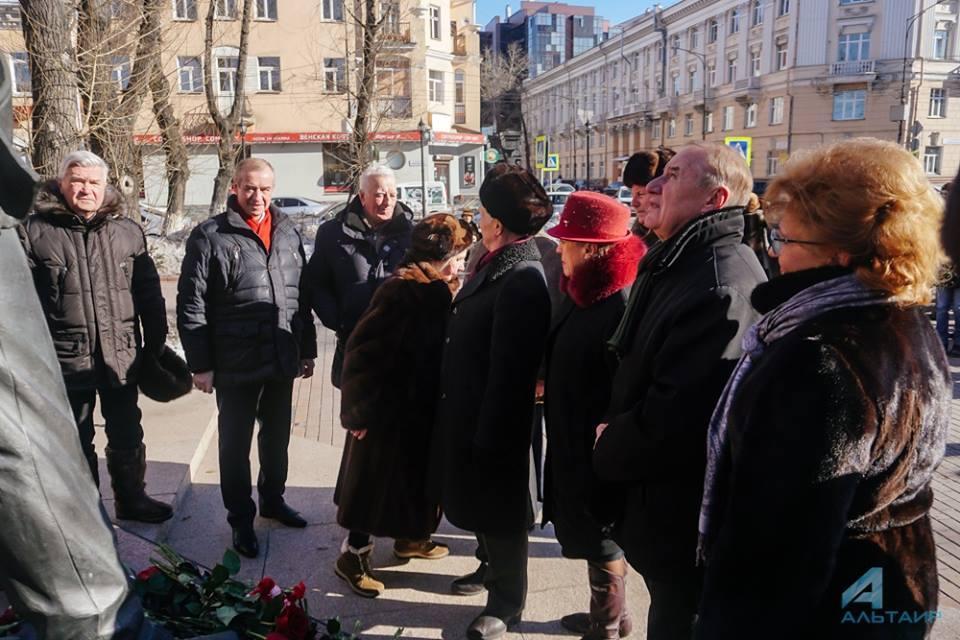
(782, 74)
(300, 83)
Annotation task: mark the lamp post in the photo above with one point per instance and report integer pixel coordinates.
(588, 153)
(424, 137)
(903, 136)
(706, 86)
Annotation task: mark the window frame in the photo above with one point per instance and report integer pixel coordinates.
(734, 20)
(776, 112)
(267, 4)
(275, 84)
(187, 5)
(229, 71)
(938, 100)
(229, 11)
(849, 98)
(937, 160)
(728, 116)
(847, 46)
(331, 7)
(435, 22)
(783, 8)
(435, 89)
(755, 62)
(196, 74)
(21, 60)
(780, 55)
(750, 113)
(756, 13)
(688, 125)
(713, 30)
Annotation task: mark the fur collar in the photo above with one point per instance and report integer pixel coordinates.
(769, 295)
(50, 202)
(425, 273)
(603, 276)
(512, 255)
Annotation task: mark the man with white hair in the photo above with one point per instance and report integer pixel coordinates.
(677, 343)
(101, 297)
(355, 252)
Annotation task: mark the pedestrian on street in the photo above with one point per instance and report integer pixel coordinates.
(677, 343)
(823, 447)
(391, 376)
(493, 349)
(599, 258)
(948, 300)
(355, 253)
(101, 297)
(247, 332)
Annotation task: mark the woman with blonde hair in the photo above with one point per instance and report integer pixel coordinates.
(822, 449)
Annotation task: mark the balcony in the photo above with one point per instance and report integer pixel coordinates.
(460, 45)
(747, 91)
(666, 104)
(701, 102)
(460, 114)
(852, 71)
(10, 16)
(397, 107)
(396, 34)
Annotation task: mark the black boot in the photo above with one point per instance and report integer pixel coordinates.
(94, 465)
(127, 468)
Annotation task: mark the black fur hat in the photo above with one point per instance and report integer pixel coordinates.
(512, 195)
(644, 166)
(165, 377)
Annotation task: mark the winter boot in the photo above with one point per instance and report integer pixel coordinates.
(127, 468)
(608, 618)
(353, 566)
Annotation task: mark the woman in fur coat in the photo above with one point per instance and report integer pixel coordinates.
(821, 452)
(390, 379)
(599, 257)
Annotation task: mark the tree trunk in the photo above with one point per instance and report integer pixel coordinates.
(360, 138)
(48, 29)
(174, 150)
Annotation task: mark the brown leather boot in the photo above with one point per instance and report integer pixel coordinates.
(131, 502)
(608, 618)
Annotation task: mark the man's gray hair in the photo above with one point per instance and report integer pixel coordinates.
(83, 158)
(724, 165)
(375, 171)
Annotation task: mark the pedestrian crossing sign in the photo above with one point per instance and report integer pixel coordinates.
(743, 145)
(553, 162)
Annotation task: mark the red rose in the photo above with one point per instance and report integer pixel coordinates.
(299, 591)
(8, 617)
(267, 589)
(147, 573)
(293, 623)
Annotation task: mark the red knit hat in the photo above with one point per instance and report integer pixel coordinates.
(592, 217)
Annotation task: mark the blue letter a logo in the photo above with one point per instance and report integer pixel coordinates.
(868, 589)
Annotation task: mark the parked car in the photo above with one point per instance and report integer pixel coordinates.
(558, 199)
(625, 196)
(613, 189)
(151, 218)
(561, 187)
(409, 194)
(298, 205)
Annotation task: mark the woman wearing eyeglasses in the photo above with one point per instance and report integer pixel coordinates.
(822, 449)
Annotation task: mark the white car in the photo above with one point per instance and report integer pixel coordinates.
(561, 187)
(298, 205)
(557, 199)
(151, 218)
(625, 196)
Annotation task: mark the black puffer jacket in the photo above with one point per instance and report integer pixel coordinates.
(240, 311)
(97, 285)
(350, 260)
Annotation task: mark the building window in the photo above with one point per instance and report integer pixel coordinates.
(773, 162)
(434, 22)
(756, 15)
(776, 110)
(755, 62)
(459, 87)
(225, 9)
(227, 73)
(783, 7)
(688, 125)
(854, 46)
(735, 21)
(694, 39)
(190, 74)
(780, 60)
(727, 118)
(435, 85)
(692, 79)
(269, 73)
(750, 121)
(333, 75)
(712, 75)
(674, 44)
(941, 41)
(656, 129)
(671, 128)
(931, 160)
(21, 73)
(675, 84)
(185, 9)
(713, 31)
(849, 105)
(266, 10)
(332, 10)
(120, 73)
(938, 103)
(732, 69)
(708, 125)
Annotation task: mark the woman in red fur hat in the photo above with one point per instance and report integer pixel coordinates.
(599, 257)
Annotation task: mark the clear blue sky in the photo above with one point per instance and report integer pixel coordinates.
(613, 10)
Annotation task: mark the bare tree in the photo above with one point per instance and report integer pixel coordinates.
(49, 29)
(174, 149)
(227, 124)
(501, 83)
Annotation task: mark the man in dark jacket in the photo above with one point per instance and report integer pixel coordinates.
(354, 253)
(679, 338)
(247, 331)
(495, 338)
(101, 297)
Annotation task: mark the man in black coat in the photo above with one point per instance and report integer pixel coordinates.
(247, 331)
(678, 341)
(101, 298)
(354, 253)
(496, 333)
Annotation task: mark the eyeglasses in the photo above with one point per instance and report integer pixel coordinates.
(776, 240)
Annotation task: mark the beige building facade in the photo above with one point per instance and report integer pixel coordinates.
(781, 75)
(300, 86)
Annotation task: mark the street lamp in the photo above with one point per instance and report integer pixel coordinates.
(706, 86)
(424, 137)
(902, 136)
(587, 125)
